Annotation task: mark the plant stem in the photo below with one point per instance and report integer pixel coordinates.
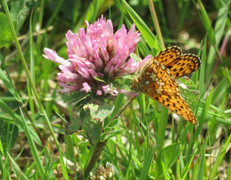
(123, 107)
(94, 158)
(98, 148)
(156, 23)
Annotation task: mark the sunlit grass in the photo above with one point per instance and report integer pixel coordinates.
(152, 145)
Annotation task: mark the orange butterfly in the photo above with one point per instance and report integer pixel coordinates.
(157, 79)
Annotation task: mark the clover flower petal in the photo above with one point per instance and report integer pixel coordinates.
(96, 52)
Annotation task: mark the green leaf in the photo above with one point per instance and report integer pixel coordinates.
(93, 131)
(201, 164)
(19, 11)
(1, 147)
(33, 148)
(77, 99)
(112, 124)
(162, 126)
(220, 29)
(8, 134)
(220, 157)
(73, 127)
(99, 112)
(8, 84)
(5, 108)
(220, 89)
(143, 28)
(77, 123)
(16, 168)
(171, 153)
(203, 68)
(207, 24)
(69, 146)
(112, 134)
(188, 82)
(90, 13)
(6, 36)
(189, 91)
(106, 122)
(205, 110)
(118, 104)
(63, 166)
(147, 163)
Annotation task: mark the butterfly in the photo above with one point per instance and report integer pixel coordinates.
(157, 79)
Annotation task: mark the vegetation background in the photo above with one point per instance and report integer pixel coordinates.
(150, 143)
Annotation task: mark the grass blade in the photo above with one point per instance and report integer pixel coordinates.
(220, 157)
(145, 31)
(16, 168)
(147, 163)
(34, 150)
(206, 22)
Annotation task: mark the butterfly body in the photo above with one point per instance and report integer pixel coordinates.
(157, 79)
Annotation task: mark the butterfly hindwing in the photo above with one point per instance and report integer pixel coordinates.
(184, 65)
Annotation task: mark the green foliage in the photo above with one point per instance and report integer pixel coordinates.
(140, 24)
(190, 92)
(10, 86)
(207, 24)
(145, 141)
(76, 99)
(99, 112)
(170, 154)
(6, 37)
(8, 134)
(19, 12)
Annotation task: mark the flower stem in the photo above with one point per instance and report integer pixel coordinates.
(123, 107)
(94, 158)
(98, 148)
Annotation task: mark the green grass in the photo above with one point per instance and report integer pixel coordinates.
(145, 142)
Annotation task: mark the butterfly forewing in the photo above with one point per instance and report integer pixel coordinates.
(168, 55)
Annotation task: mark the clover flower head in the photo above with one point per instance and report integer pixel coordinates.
(96, 53)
